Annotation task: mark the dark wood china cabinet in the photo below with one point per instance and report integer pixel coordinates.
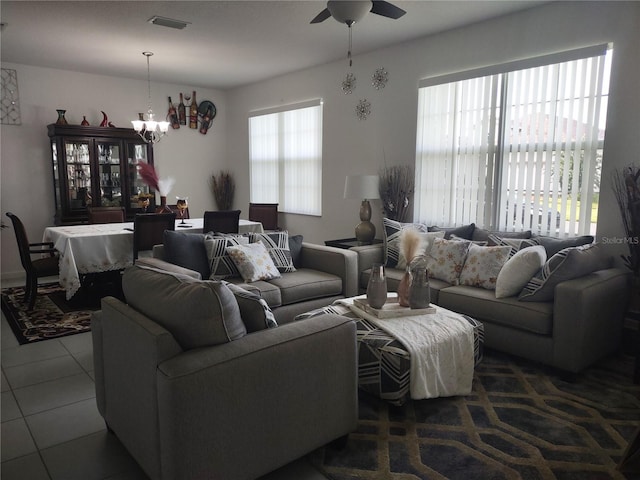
(96, 166)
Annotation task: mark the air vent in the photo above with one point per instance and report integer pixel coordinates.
(168, 22)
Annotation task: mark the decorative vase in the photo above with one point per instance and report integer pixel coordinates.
(163, 208)
(403, 289)
(377, 286)
(61, 119)
(85, 122)
(419, 291)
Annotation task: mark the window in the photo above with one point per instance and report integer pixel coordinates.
(515, 147)
(285, 157)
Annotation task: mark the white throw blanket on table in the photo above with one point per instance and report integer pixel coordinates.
(441, 347)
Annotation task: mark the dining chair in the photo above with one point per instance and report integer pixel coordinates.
(106, 214)
(34, 268)
(265, 213)
(148, 230)
(221, 221)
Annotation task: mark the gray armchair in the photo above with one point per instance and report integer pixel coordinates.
(235, 410)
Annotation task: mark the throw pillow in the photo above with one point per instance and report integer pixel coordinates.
(425, 247)
(253, 261)
(481, 243)
(295, 247)
(465, 231)
(483, 235)
(447, 259)
(519, 269)
(517, 243)
(553, 245)
(186, 250)
(220, 263)
(572, 262)
(197, 313)
(483, 264)
(254, 309)
(391, 239)
(277, 244)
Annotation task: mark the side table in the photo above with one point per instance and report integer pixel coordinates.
(349, 242)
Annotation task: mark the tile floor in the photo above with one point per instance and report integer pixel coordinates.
(51, 428)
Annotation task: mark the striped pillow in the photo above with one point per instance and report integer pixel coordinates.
(277, 244)
(220, 263)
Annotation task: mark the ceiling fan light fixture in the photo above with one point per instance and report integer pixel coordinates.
(168, 22)
(349, 12)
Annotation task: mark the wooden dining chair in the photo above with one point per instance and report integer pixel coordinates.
(265, 213)
(106, 214)
(221, 221)
(34, 268)
(148, 230)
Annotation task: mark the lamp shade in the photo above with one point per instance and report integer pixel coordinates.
(361, 187)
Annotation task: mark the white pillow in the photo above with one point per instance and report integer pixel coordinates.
(426, 242)
(253, 262)
(519, 269)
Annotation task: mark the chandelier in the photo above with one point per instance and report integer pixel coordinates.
(149, 130)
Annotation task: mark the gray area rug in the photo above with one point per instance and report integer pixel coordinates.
(522, 421)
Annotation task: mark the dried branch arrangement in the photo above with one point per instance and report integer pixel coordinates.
(224, 188)
(626, 187)
(396, 188)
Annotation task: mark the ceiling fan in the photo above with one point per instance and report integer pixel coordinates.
(351, 12)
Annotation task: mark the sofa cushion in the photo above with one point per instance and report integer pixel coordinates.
(447, 259)
(270, 293)
(186, 250)
(569, 263)
(553, 245)
(483, 264)
(519, 269)
(197, 313)
(255, 312)
(220, 263)
(391, 239)
(481, 304)
(465, 231)
(277, 244)
(426, 243)
(295, 247)
(253, 262)
(480, 234)
(306, 284)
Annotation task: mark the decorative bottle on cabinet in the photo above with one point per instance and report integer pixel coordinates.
(193, 112)
(182, 116)
(173, 116)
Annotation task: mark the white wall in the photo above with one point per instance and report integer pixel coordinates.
(27, 179)
(353, 146)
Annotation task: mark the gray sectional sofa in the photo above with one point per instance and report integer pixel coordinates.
(322, 274)
(580, 324)
(196, 385)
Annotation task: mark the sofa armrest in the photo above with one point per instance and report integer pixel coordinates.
(367, 256)
(588, 317)
(128, 346)
(280, 393)
(337, 261)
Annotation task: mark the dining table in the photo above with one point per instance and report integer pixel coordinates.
(104, 247)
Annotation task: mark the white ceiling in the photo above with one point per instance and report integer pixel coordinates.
(227, 44)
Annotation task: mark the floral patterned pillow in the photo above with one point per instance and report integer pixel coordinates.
(447, 259)
(483, 264)
(253, 262)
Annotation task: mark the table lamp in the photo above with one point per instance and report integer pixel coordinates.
(364, 187)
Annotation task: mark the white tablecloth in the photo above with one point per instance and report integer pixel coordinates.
(105, 247)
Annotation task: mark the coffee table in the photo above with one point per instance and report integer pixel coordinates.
(384, 362)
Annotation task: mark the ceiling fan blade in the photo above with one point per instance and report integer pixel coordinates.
(322, 16)
(386, 9)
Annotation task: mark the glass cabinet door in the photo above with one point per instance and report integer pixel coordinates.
(110, 178)
(138, 190)
(78, 173)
